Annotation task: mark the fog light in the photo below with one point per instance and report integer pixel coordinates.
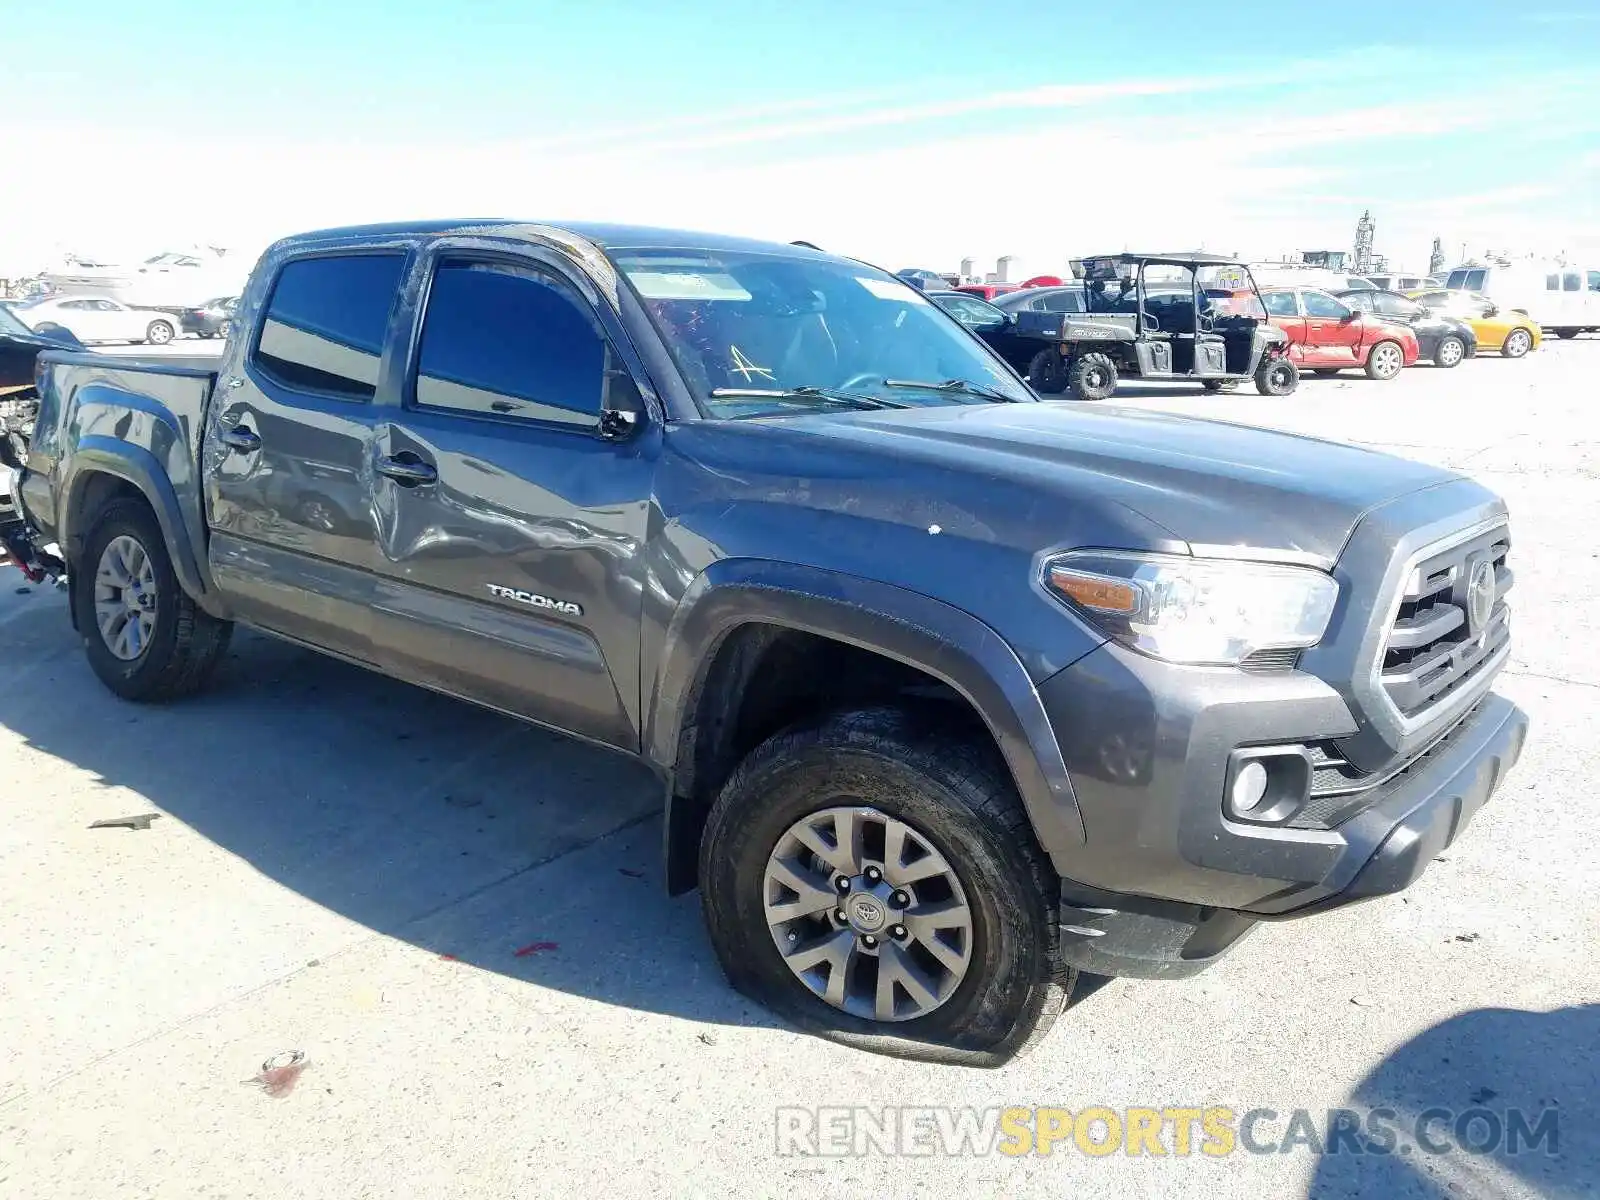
(1266, 785)
(1249, 787)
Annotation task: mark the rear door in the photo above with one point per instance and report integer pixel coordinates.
(288, 450)
(1333, 330)
(510, 531)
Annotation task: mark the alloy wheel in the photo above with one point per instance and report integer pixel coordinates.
(1387, 360)
(125, 598)
(868, 914)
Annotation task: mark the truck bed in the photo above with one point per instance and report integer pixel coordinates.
(140, 416)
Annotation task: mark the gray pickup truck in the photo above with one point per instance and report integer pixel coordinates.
(952, 693)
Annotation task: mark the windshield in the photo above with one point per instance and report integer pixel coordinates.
(9, 323)
(764, 325)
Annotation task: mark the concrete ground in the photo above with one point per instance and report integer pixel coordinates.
(460, 922)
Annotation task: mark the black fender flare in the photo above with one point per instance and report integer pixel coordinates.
(96, 455)
(945, 642)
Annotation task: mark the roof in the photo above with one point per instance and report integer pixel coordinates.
(1199, 257)
(607, 236)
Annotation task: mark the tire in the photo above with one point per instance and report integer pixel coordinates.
(183, 643)
(159, 333)
(1449, 352)
(1517, 344)
(1045, 373)
(954, 796)
(1277, 377)
(1385, 360)
(1091, 377)
(1567, 334)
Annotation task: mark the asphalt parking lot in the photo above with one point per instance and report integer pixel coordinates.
(459, 921)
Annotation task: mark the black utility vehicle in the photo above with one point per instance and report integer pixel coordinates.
(1159, 316)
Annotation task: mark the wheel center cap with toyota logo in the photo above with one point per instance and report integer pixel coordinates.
(1480, 596)
(867, 914)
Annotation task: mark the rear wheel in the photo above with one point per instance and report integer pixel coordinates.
(1518, 342)
(1091, 377)
(1046, 373)
(1277, 377)
(875, 879)
(1385, 360)
(144, 637)
(159, 333)
(1450, 352)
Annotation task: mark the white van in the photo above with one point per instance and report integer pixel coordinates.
(1564, 299)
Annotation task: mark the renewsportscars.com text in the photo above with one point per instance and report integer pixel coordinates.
(1210, 1131)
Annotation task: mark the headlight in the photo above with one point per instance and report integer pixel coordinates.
(1195, 610)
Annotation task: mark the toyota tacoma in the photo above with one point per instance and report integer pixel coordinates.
(952, 694)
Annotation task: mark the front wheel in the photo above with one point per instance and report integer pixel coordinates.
(1518, 342)
(1092, 377)
(875, 879)
(1045, 374)
(159, 333)
(1277, 377)
(1385, 360)
(144, 637)
(1450, 352)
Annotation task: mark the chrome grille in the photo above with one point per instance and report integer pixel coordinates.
(1433, 649)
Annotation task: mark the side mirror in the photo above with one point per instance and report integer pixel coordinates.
(621, 406)
(1491, 311)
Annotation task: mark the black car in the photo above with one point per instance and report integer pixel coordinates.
(1442, 340)
(210, 319)
(996, 321)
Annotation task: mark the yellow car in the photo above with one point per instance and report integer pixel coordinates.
(1509, 330)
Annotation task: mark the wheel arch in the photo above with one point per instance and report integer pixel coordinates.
(104, 470)
(698, 718)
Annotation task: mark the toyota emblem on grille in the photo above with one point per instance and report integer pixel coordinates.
(1480, 596)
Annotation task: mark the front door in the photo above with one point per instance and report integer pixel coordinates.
(289, 440)
(1283, 309)
(1333, 331)
(509, 530)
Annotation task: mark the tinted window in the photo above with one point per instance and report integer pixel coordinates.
(1394, 306)
(1571, 282)
(1594, 281)
(1280, 304)
(1060, 302)
(1552, 283)
(326, 321)
(509, 341)
(1362, 301)
(77, 305)
(1320, 304)
(1475, 280)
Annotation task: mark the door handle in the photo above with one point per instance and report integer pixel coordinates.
(241, 439)
(407, 472)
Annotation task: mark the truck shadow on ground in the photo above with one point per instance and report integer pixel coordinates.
(1477, 1075)
(468, 834)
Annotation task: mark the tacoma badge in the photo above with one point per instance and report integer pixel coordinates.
(534, 600)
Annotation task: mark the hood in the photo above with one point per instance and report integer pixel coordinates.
(1214, 486)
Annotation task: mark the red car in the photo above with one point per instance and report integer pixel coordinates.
(987, 291)
(1327, 336)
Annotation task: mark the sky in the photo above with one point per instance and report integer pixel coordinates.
(906, 132)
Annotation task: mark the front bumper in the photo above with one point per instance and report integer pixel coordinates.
(1167, 880)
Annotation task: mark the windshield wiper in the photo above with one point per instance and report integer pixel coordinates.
(953, 385)
(807, 392)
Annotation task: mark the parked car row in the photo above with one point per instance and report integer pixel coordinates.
(94, 320)
(1170, 304)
